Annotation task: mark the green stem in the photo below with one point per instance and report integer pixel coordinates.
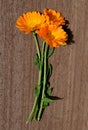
(37, 44)
(32, 112)
(35, 106)
(44, 81)
(41, 65)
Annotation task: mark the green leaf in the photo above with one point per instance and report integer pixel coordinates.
(37, 91)
(49, 72)
(37, 61)
(45, 104)
(51, 51)
(49, 91)
(46, 101)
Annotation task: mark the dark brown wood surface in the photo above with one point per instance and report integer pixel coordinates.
(18, 75)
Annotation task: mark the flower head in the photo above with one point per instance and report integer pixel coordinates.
(53, 17)
(53, 35)
(47, 25)
(30, 21)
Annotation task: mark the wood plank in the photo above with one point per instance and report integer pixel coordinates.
(18, 75)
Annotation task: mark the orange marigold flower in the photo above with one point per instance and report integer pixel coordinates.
(53, 35)
(53, 17)
(30, 21)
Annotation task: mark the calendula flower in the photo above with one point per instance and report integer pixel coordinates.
(30, 21)
(49, 26)
(53, 17)
(53, 35)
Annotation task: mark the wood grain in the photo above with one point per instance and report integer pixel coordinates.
(18, 75)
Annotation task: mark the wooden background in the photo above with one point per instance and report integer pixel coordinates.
(18, 75)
